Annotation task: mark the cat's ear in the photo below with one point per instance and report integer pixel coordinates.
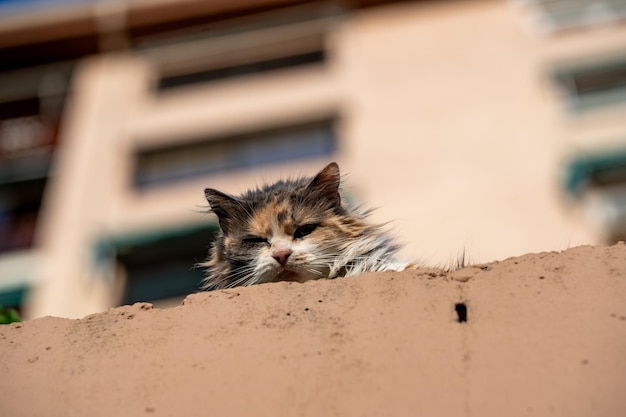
(326, 184)
(228, 209)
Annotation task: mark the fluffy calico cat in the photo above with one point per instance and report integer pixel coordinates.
(294, 230)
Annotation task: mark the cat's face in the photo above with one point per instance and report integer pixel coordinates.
(289, 231)
(280, 242)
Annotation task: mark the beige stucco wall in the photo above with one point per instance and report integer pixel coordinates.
(458, 97)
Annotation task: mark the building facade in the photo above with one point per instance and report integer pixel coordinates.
(483, 128)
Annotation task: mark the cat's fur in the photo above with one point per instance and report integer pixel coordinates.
(294, 230)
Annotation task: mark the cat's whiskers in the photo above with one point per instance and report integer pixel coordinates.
(314, 271)
(238, 276)
(244, 280)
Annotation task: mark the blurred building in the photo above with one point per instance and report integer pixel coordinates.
(489, 128)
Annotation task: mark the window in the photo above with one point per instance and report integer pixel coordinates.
(270, 41)
(160, 265)
(211, 155)
(601, 179)
(595, 85)
(551, 16)
(596, 171)
(12, 298)
(19, 208)
(258, 67)
(31, 102)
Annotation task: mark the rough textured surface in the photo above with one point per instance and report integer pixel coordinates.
(545, 335)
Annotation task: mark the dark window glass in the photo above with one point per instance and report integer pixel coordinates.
(163, 266)
(222, 73)
(212, 155)
(595, 86)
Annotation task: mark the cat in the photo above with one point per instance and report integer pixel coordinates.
(294, 230)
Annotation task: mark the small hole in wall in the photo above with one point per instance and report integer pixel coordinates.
(461, 312)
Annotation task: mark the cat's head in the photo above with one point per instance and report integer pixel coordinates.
(291, 230)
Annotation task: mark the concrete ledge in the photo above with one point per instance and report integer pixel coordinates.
(545, 334)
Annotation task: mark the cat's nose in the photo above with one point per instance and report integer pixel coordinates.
(281, 256)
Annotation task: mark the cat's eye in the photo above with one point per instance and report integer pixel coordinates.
(304, 230)
(255, 240)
